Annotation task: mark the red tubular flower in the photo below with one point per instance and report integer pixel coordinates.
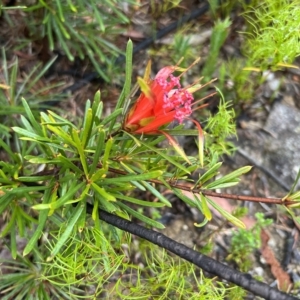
(162, 101)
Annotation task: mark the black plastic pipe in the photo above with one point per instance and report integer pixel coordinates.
(202, 261)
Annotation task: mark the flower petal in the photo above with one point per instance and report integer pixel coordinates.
(157, 122)
(165, 72)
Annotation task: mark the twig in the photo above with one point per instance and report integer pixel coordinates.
(190, 189)
(278, 201)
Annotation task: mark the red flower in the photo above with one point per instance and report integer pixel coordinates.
(162, 101)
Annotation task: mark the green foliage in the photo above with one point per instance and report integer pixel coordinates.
(165, 277)
(274, 38)
(27, 281)
(182, 48)
(219, 127)
(244, 82)
(244, 242)
(78, 28)
(11, 92)
(218, 37)
(236, 293)
(269, 41)
(159, 8)
(60, 167)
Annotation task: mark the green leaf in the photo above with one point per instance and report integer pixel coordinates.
(74, 217)
(139, 202)
(186, 199)
(69, 164)
(111, 117)
(290, 194)
(141, 217)
(102, 192)
(41, 160)
(97, 107)
(182, 132)
(200, 142)
(203, 223)
(295, 196)
(165, 156)
(127, 84)
(13, 83)
(98, 17)
(226, 214)
(128, 74)
(34, 178)
(176, 147)
(229, 179)
(33, 80)
(96, 157)
(126, 178)
(135, 183)
(53, 114)
(26, 124)
(157, 194)
(87, 127)
(101, 173)
(20, 221)
(63, 199)
(108, 146)
(13, 242)
(4, 178)
(42, 221)
(60, 10)
(82, 220)
(62, 135)
(31, 117)
(205, 209)
(8, 150)
(80, 149)
(82, 196)
(106, 205)
(29, 134)
(6, 199)
(213, 171)
(11, 223)
(25, 189)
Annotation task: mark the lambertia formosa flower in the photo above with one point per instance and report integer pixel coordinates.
(162, 101)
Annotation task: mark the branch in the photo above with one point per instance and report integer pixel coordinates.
(204, 262)
(190, 189)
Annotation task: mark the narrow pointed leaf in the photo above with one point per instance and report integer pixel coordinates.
(126, 178)
(72, 221)
(205, 208)
(175, 145)
(42, 220)
(213, 171)
(141, 217)
(229, 179)
(102, 192)
(226, 214)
